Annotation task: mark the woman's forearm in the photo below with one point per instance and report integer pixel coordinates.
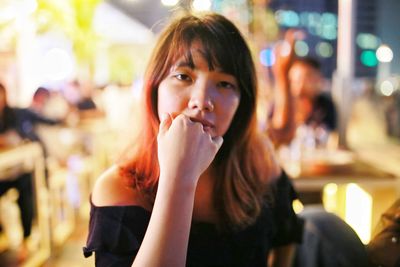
(167, 236)
(282, 128)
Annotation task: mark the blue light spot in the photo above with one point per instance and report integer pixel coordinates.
(267, 57)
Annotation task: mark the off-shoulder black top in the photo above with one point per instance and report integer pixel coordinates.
(116, 232)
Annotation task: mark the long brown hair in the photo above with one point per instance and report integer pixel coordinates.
(242, 166)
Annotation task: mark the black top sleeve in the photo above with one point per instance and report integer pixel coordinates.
(115, 234)
(288, 226)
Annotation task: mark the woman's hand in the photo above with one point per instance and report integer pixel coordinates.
(284, 53)
(185, 150)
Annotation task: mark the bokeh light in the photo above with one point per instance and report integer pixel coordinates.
(368, 58)
(288, 18)
(267, 57)
(387, 88)
(329, 32)
(329, 19)
(324, 49)
(367, 41)
(384, 53)
(301, 48)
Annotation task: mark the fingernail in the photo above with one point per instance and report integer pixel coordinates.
(164, 116)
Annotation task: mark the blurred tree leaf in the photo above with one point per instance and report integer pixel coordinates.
(74, 18)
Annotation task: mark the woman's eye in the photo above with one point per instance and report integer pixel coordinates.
(182, 77)
(227, 85)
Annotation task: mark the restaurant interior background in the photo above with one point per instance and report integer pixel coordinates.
(99, 49)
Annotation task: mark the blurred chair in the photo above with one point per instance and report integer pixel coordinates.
(62, 212)
(11, 229)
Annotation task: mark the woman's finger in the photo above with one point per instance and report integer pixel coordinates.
(166, 121)
(218, 140)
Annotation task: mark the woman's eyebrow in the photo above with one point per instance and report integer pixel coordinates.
(181, 64)
(185, 62)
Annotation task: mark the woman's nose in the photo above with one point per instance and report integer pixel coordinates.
(201, 98)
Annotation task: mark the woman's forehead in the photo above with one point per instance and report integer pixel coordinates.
(194, 56)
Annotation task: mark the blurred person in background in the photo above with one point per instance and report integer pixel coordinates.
(300, 104)
(80, 97)
(18, 125)
(11, 135)
(300, 99)
(314, 106)
(40, 99)
(202, 187)
(281, 119)
(28, 118)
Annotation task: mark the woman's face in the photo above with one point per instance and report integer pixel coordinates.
(305, 81)
(210, 97)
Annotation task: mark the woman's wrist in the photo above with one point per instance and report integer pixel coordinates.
(177, 183)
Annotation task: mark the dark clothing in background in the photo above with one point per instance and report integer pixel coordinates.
(116, 232)
(323, 112)
(328, 241)
(26, 120)
(22, 183)
(8, 121)
(23, 122)
(86, 104)
(384, 248)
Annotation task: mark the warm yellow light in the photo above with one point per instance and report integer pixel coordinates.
(331, 189)
(297, 206)
(329, 197)
(359, 211)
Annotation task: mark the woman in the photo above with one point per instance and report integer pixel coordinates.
(202, 186)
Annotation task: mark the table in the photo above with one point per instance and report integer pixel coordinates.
(30, 156)
(348, 185)
(357, 171)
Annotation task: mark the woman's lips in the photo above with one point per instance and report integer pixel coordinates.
(207, 126)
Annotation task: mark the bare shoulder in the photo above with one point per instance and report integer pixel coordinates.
(110, 190)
